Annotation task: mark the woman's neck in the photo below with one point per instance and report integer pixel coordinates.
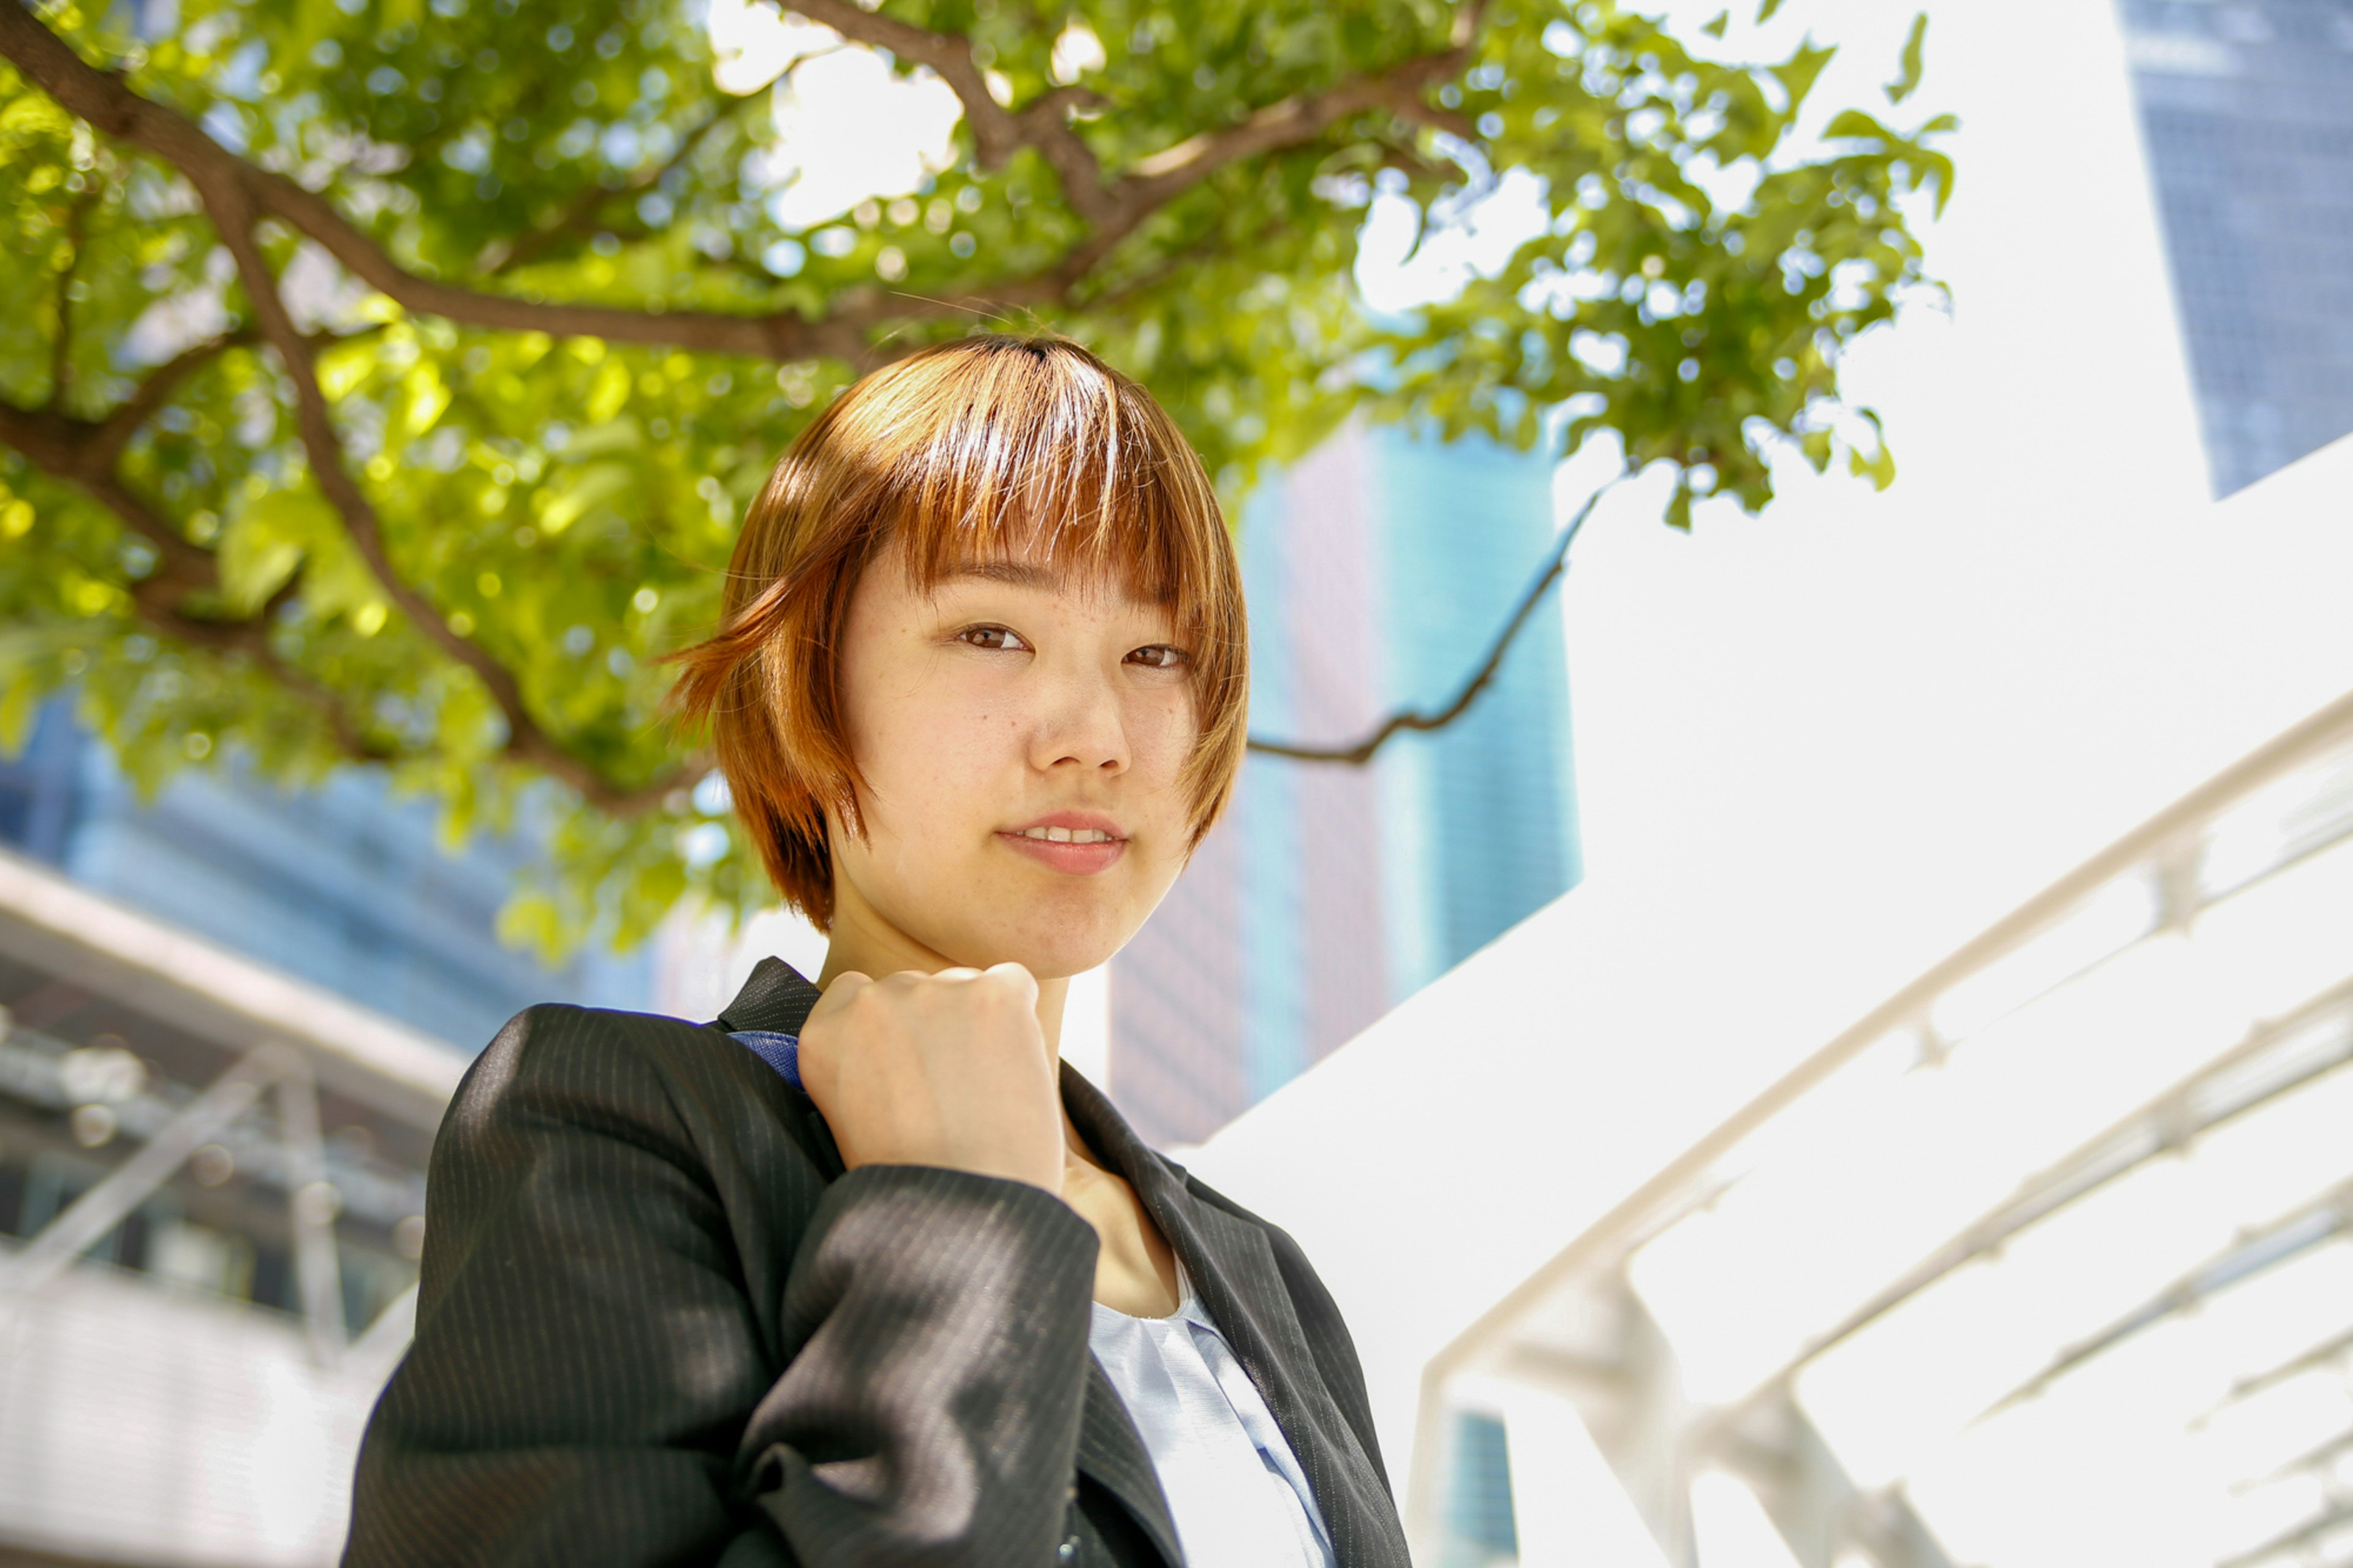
(861, 940)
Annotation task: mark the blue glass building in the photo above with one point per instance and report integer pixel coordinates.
(2247, 113)
(1378, 571)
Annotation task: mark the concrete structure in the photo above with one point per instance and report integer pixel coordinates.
(2060, 1220)
(1819, 754)
(211, 1202)
(212, 1149)
(1378, 571)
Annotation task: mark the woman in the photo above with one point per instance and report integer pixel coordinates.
(856, 1274)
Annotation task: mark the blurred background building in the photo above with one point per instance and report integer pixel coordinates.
(2247, 109)
(1378, 571)
(346, 886)
(212, 1190)
(230, 1018)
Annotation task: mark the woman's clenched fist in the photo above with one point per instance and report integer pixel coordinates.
(945, 1069)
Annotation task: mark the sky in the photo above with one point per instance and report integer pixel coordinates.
(848, 128)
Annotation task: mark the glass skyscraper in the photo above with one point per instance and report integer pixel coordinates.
(2247, 111)
(1378, 570)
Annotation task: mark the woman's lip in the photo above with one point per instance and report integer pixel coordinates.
(1076, 860)
(1077, 821)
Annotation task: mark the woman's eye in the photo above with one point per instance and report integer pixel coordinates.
(993, 638)
(1158, 656)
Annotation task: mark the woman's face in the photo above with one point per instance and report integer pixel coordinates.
(1023, 737)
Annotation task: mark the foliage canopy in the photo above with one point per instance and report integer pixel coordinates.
(386, 377)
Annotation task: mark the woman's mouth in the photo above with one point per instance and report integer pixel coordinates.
(1069, 841)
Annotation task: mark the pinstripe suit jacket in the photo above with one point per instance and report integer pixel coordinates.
(659, 1325)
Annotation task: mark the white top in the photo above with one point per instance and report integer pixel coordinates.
(1234, 1487)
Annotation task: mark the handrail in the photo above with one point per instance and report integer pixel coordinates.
(2153, 840)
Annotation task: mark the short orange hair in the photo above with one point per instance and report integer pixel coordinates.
(971, 450)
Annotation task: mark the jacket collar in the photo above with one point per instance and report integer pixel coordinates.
(775, 1000)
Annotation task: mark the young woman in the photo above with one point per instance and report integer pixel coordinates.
(858, 1274)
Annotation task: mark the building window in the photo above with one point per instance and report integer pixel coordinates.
(1479, 1529)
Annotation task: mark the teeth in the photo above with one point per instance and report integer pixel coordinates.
(1067, 835)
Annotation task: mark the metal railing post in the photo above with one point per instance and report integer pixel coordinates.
(98, 1211)
(312, 1203)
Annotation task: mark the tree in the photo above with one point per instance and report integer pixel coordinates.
(386, 377)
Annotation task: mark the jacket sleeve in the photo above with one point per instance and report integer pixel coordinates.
(593, 1385)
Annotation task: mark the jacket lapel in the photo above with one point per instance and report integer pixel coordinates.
(1234, 1269)
(1112, 1452)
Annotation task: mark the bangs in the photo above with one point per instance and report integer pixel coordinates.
(1041, 457)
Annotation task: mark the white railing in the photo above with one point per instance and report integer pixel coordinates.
(1924, 1253)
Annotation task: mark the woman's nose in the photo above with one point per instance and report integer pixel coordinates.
(1080, 723)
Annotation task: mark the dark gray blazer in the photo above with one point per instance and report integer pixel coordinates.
(659, 1325)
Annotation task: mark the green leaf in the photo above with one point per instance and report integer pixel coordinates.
(1908, 77)
(610, 391)
(1679, 505)
(530, 919)
(1855, 123)
(1764, 11)
(1715, 26)
(589, 487)
(20, 699)
(265, 543)
(1878, 465)
(1798, 73)
(424, 398)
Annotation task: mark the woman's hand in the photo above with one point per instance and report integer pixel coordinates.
(945, 1069)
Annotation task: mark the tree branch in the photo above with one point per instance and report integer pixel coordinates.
(1112, 211)
(65, 447)
(1363, 751)
(61, 346)
(1296, 120)
(146, 400)
(82, 453)
(580, 214)
(233, 216)
(251, 637)
(101, 99)
(998, 133)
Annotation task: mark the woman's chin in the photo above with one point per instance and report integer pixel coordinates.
(1059, 949)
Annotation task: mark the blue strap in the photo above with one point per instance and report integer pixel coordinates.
(782, 1052)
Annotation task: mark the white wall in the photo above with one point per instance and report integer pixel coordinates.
(1820, 749)
(147, 1424)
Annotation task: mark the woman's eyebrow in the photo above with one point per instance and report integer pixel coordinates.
(1020, 574)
